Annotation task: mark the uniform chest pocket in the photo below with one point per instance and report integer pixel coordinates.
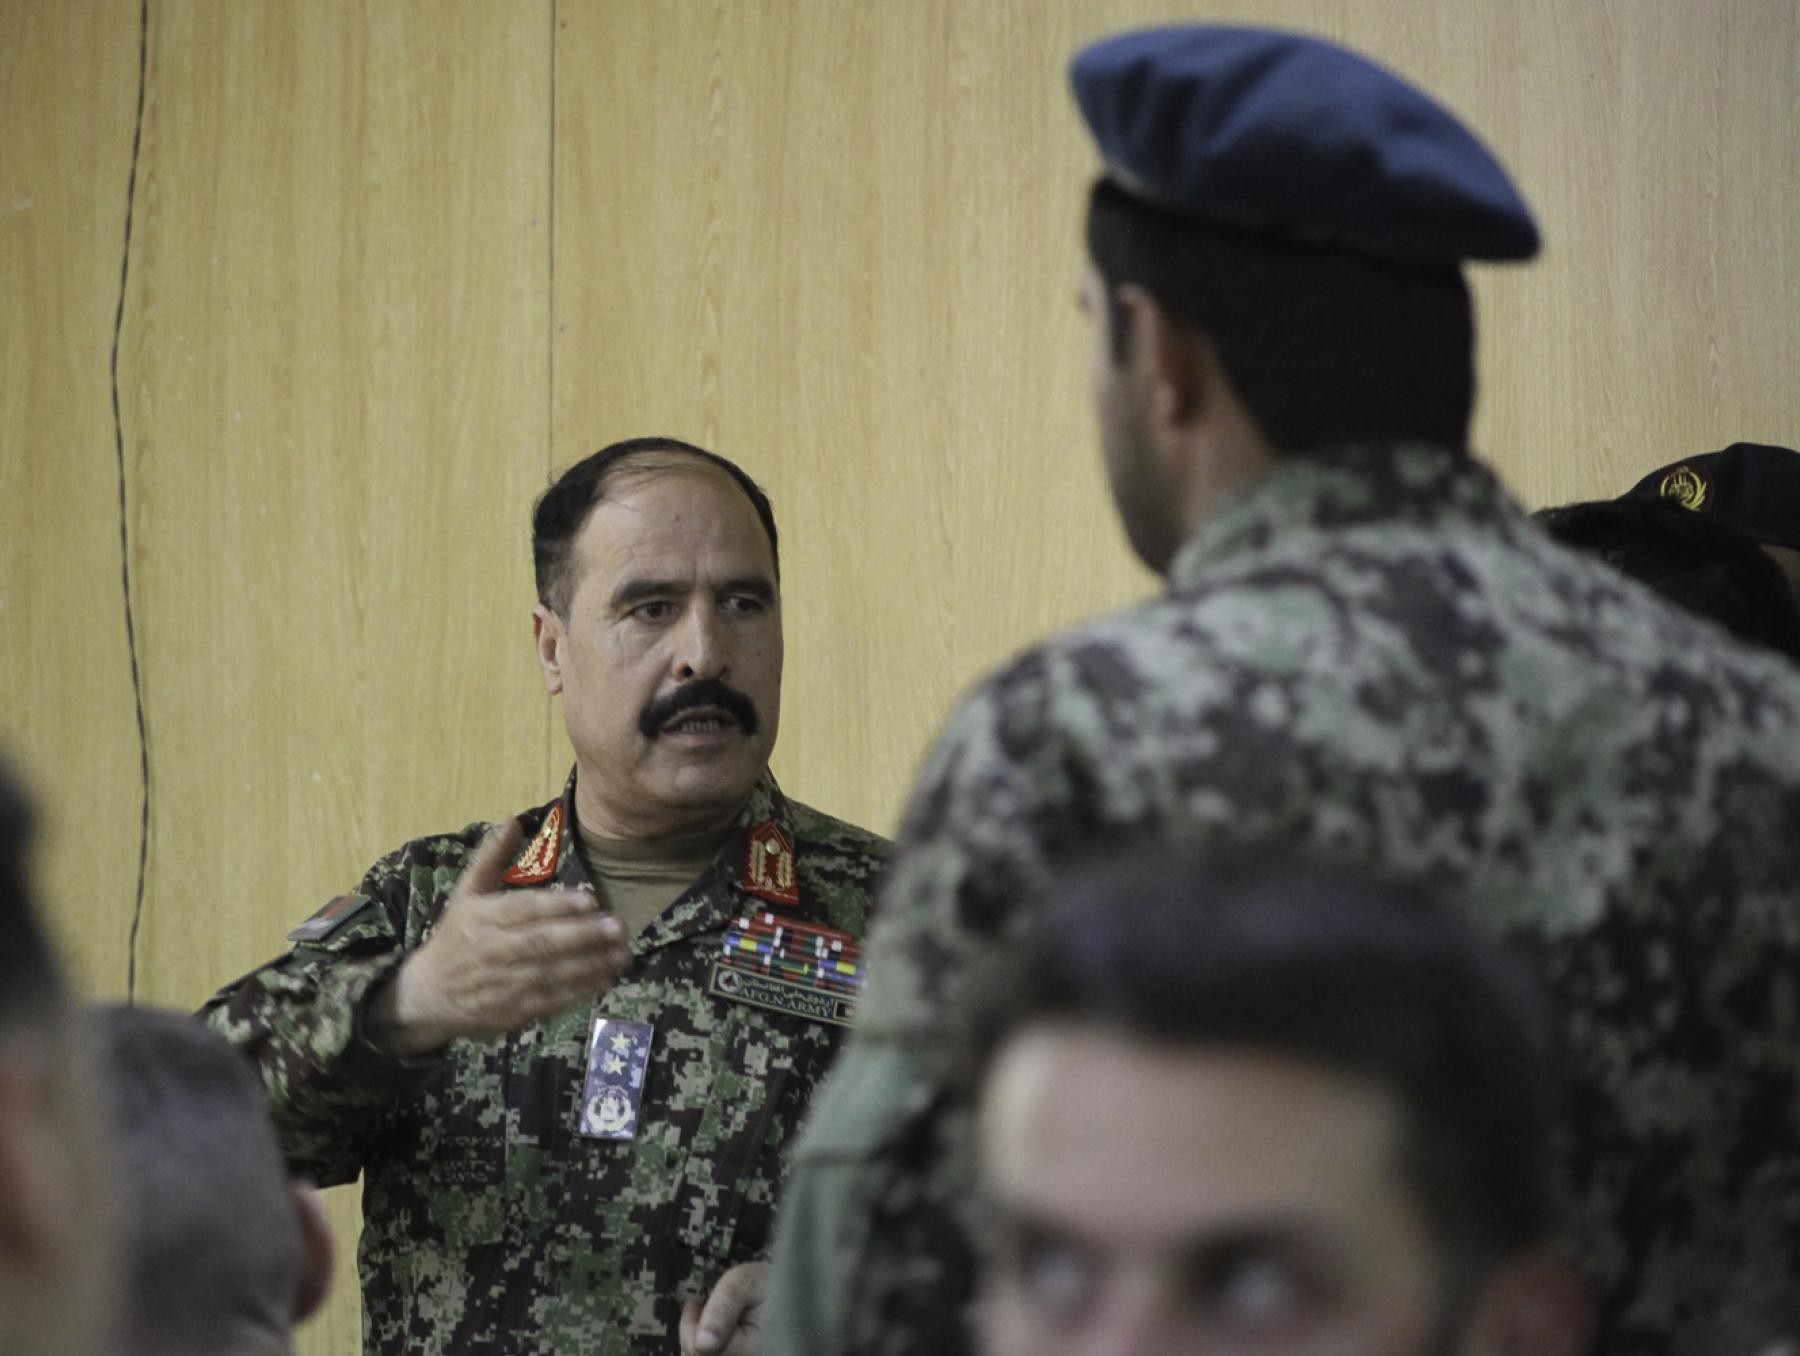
(762, 1069)
(442, 1176)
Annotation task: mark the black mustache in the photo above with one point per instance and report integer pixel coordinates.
(704, 692)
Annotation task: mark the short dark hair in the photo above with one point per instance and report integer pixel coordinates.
(1325, 347)
(212, 1240)
(1320, 963)
(1699, 563)
(561, 510)
(30, 980)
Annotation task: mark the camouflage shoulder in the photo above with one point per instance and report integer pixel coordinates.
(840, 864)
(454, 848)
(1114, 658)
(416, 874)
(826, 834)
(433, 853)
(1039, 725)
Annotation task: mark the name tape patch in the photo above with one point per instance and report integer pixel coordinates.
(780, 995)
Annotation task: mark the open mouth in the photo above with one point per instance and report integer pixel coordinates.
(701, 721)
(699, 709)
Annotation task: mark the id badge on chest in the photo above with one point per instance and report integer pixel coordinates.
(618, 1056)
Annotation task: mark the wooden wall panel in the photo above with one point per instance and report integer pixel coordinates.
(395, 261)
(339, 331)
(840, 240)
(834, 241)
(1655, 142)
(336, 386)
(68, 87)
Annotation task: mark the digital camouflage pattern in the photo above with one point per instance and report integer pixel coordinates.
(489, 1223)
(1375, 654)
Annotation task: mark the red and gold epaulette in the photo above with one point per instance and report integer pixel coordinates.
(769, 865)
(537, 863)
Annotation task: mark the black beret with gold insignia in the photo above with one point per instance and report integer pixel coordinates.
(1755, 487)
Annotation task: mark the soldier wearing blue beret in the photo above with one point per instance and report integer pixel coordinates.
(1291, 139)
(1364, 649)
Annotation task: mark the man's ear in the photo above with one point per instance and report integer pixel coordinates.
(547, 634)
(315, 1252)
(32, 1204)
(1538, 1304)
(1172, 362)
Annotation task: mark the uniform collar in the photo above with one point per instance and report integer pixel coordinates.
(1343, 488)
(757, 868)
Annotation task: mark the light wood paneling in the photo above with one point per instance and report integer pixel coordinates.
(336, 385)
(837, 240)
(837, 243)
(339, 336)
(68, 89)
(1656, 143)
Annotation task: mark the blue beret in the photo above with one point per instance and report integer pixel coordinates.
(1755, 487)
(1279, 133)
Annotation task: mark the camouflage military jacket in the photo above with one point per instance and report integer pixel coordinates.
(1375, 654)
(490, 1224)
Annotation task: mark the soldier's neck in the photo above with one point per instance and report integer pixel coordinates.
(624, 825)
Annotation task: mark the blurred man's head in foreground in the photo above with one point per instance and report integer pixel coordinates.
(1248, 1106)
(56, 1250)
(222, 1253)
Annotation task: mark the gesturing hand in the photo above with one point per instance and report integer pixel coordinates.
(498, 960)
(729, 1323)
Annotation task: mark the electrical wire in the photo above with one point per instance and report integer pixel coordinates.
(137, 684)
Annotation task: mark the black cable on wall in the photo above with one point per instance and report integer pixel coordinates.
(137, 685)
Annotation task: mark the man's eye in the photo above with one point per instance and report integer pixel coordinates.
(657, 610)
(745, 605)
(1251, 1288)
(1056, 1277)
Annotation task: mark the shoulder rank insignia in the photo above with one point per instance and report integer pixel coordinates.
(328, 919)
(769, 865)
(1687, 485)
(537, 863)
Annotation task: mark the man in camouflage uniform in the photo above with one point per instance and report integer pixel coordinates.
(568, 1055)
(1365, 649)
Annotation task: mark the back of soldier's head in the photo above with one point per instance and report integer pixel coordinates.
(1699, 563)
(56, 1250)
(214, 1247)
(1324, 346)
(1307, 211)
(30, 987)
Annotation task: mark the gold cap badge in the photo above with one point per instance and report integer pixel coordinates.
(1687, 485)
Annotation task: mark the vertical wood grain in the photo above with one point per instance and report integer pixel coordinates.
(68, 87)
(335, 379)
(840, 241)
(339, 341)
